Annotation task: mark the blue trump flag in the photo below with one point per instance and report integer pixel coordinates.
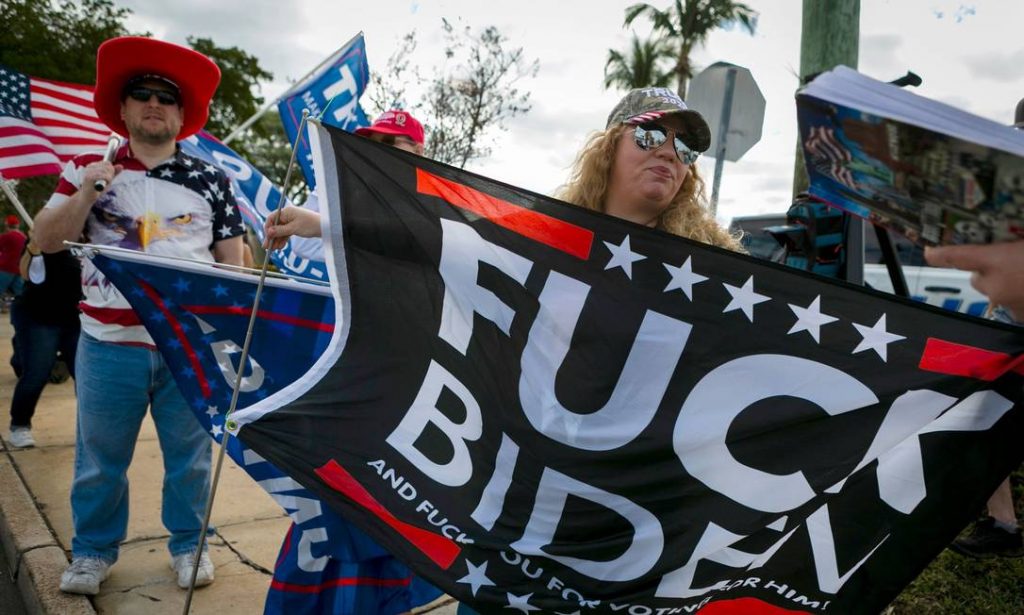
(198, 315)
(333, 91)
(257, 197)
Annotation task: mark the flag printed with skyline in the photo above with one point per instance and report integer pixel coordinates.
(198, 315)
(44, 123)
(539, 407)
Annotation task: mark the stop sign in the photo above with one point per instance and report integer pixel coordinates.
(743, 117)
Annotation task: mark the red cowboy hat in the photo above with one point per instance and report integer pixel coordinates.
(119, 60)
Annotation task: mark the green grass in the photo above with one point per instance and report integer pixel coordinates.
(955, 584)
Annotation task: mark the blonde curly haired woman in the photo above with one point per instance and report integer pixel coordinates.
(641, 168)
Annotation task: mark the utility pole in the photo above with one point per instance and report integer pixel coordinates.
(830, 36)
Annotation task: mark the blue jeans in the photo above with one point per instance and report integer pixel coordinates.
(115, 386)
(11, 282)
(36, 345)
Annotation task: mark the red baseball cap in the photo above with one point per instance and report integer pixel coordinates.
(395, 122)
(13, 220)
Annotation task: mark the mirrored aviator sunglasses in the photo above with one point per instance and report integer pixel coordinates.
(652, 136)
(164, 97)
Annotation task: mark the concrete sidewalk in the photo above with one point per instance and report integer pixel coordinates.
(35, 523)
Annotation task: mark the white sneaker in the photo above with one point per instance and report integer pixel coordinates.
(182, 565)
(21, 437)
(84, 576)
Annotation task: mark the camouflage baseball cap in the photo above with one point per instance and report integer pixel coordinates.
(649, 104)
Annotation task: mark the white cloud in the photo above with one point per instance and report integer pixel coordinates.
(998, 66)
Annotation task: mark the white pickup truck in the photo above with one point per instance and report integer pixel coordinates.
(947, 288)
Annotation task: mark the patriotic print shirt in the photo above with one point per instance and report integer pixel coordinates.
(180, 207)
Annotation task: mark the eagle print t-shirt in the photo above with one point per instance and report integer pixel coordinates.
(178, 208)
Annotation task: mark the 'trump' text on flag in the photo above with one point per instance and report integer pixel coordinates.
(339, 84)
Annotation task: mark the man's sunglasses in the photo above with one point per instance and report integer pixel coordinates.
(650, 137)
(143, 94)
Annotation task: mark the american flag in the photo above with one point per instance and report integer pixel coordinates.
(828, 149)
(43, 124)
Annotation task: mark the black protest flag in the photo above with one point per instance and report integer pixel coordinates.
(546, 409)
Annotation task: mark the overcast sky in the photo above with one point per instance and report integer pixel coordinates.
(970, 55)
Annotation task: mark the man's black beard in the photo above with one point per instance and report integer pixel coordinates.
(161, 137)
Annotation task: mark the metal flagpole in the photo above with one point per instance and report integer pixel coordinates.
(13, 197)
(238, 378)
(86, 248)
(298, 85)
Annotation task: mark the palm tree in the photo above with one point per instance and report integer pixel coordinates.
(687, 24)
(640, 66)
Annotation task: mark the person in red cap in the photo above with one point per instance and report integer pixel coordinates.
(158, 200)
(12, 242)
(396, 128)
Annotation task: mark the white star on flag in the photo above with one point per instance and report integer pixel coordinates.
(810, 319)
(212, 411)
(622, 256)
(216, 430)
(876, 338)
(521, 602)
(477, 577)
(166, 173)
(744, 298)
(683, 278)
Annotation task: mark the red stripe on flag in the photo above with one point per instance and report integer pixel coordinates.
(32, 170)
(126, 317)
(946, 357)
(746, 606)
(179, 333)
(30, 148)
(85, 89)
(342, 582)
(558, 234)
(72, 113)
(87, 143)
(264, 314)
(38, 90)
(440, 549)
(21, 128)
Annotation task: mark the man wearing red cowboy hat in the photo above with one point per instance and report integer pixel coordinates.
(161, 201)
